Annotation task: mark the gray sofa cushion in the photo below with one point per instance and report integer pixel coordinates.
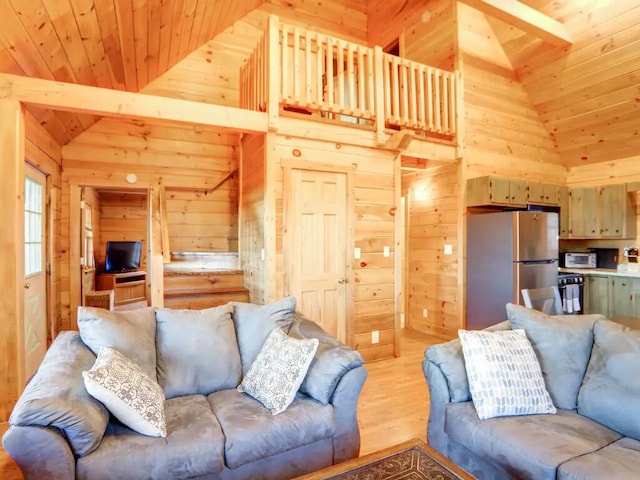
(551, 338)
(611, 387)
(56, 396)
(530, 446)
(197, 351)
(131, 332)
(194, 446)
(252, 433)
(254, 323)
(448, 356)
(332, 360)
(619, 461)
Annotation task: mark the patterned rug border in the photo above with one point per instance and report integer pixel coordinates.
(413, 463)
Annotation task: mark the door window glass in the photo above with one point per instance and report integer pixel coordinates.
(33, 234)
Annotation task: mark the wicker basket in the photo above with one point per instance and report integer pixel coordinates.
(101, 298)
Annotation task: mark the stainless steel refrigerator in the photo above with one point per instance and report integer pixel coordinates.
(506, 252)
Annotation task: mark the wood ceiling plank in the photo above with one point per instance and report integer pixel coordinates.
(525, 18)
(153, 38)
(140, 39)
(194, 36)
(587, 156)
(207, 18)
(48, 119)
(28, 31)
(166, 26)
(105, 102)
(176, 31)
(8, 63)
(63, 21)
(124, 16)
(89, 28)
(108, 24)
(186, 28)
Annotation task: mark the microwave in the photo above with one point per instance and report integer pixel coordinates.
(580, 260)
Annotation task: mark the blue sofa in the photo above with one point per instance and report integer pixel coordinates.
(59, 431)
(591, 368)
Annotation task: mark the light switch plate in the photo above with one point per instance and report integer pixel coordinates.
(356, 253)
(262, 255)
(375, 336)
(387, 251)
(448, 249)
(425, 313)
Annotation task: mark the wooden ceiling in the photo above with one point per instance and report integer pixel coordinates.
(587, 94)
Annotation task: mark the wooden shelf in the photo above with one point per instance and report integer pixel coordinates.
(129, 287)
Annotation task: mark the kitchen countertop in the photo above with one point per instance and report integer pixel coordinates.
(600, 271)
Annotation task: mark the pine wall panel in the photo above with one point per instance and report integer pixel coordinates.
(188, 161)
(374, 200)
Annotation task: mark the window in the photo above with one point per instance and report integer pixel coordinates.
(33, 234)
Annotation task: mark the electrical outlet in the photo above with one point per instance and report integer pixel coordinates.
(262, 255)
(387, 251)
(375, 336)
(448, 249)
(356, 253)
(425, 313)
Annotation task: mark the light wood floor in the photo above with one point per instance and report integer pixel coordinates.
(393, 407)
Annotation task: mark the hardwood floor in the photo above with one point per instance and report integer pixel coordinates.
(393, 406)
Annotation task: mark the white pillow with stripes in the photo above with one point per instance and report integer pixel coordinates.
(504, 374)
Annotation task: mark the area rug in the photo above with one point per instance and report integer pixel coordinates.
(411, 464)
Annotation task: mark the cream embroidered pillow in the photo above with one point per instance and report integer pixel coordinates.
(128, 392)
(504, 374)
(279, 369)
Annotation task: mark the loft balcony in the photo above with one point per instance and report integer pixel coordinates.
(294, 70)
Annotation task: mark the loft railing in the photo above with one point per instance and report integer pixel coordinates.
(299, 70)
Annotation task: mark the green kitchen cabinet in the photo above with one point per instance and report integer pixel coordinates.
(620, 298)
(483, 191)
(596, 294)
(616, 214)
(583, 213)
(563, 201)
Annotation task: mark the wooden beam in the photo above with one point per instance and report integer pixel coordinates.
(524, 18)
(12, 253)
(155, 261)
(115, 103)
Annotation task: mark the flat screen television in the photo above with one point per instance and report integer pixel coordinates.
(122, 256)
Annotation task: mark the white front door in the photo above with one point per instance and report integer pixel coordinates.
(35, 276)
(318, 232)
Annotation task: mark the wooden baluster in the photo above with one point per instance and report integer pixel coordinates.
(360, 78)
(404, 90)
(371, 89)
(341, 85)
(379, 91)
(296, 65)
(285, 64)
(413, 95)
(307, 61)
(351, 79)
(319, 69)
(388, 113)
(445, 103)
(421, 103)
(395, 90)
(330, 98)
(438, 101)
(430, 96)
(273, 73)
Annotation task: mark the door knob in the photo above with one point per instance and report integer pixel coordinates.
(27, 285)
(342, 280)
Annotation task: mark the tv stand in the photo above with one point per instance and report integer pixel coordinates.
(129, 287)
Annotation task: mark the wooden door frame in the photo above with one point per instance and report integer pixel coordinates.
(154, 277)
(288, 165)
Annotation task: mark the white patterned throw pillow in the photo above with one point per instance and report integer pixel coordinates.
(128, 392)
(504, 374)
(279, 369)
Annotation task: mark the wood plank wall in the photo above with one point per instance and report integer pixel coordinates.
(429, 37)
(188, 161)
(251, 212)
(121, 216)
(386, 20)
(504, 133)
(433, 277)
(375, 201)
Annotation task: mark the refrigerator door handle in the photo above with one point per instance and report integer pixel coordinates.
(537, 262)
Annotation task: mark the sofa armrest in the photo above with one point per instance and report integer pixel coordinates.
(40, 452)
(56, 397)
(332, 360)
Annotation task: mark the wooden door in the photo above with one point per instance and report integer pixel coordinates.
(35, 294)
(318, 232)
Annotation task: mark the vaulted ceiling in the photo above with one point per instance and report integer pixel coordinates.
(587, 94)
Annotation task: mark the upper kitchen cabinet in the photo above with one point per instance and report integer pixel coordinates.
(601, 212)
(542, 193)
(482, 191)
(563, 202)
(583, 213)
